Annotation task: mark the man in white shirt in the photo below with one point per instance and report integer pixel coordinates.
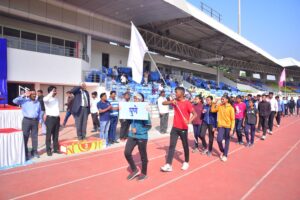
(274, 110)
(52, 120)
(94, 111)
(163, 112)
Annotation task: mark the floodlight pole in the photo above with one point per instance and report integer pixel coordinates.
(239, 17)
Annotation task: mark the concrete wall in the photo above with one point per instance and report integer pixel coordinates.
(29, 66)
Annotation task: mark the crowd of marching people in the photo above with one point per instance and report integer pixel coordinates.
(220, 117)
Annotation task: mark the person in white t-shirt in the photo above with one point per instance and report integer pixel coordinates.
(274, 110)
(52, 120)
(163, 112)
(94, 111)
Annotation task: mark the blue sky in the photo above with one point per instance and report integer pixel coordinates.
(273, 25)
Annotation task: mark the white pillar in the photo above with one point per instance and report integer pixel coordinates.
(89, 48)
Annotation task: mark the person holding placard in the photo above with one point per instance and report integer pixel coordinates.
(138, 136)
(182, 117)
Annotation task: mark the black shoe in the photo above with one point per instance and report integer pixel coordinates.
(133, 175)
(142, 177)
(27, 158)
(116, 141)
(49, 153)
(80, 138)
(57, 152)
(83, 138)
(35, 154)
(208, 153)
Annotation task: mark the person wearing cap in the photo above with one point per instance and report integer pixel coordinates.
(138, 136)
(274, 110)
(240, 110)
(163, 112)
(182, 117)
(264, 110)
(226, 124)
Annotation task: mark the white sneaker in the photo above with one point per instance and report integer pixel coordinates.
(224, 158)
(263, 137)
(270, 132)
(185, 166)
(221, 156)
(166, 168)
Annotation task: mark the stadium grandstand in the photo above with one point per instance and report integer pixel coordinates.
(65, 42)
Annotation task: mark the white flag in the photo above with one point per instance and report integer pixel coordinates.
(137, 52)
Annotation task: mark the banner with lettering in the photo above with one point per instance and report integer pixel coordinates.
(134, 110)
(3, 71)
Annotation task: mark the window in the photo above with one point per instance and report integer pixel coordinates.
(12, 36)
(56, 41)
(105, 60)
(43, 44)
(11, 32)
(28, 41)
(271, 77)
(243, 74)
(257, 76)
(58, 46)
(70, 48)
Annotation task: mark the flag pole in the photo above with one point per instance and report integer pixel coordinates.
(164, 82)
(157, 68)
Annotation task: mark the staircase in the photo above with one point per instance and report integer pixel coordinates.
(155, 113)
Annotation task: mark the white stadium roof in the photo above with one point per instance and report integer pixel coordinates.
(179, 29)
(289, 62)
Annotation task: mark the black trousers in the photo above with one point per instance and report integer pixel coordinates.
(52, 124)
(211, 136)
(264, 123)
(271, 120)
(30, 127)
(286, 109)
(175, 133)
(124, 130)
(142, 146)
(96, 122)
(81, 122)
(278, 117)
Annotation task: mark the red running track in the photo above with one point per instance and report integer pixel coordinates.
(269, 170)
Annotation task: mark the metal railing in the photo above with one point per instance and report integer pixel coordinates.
(44, 47)
(211, 12)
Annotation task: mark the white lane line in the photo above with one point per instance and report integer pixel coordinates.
(84, 178)
(269, 172)
(116, 169)
(194, 170)
(76, 159)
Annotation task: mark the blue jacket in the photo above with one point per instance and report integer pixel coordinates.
(209, 117)
(142, 128)
(298, 103)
